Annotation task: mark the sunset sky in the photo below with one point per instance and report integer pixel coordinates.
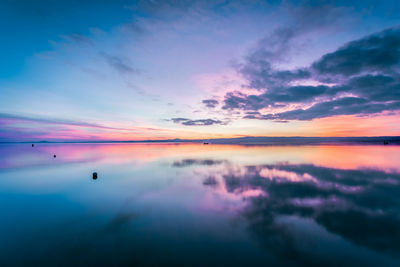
(137, 70)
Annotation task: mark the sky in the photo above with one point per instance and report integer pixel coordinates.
(138, 70)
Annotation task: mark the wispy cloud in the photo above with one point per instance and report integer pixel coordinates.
(119, 64)
(79, 39)
(48, 120)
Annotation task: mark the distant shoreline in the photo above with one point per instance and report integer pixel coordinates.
(242, 141)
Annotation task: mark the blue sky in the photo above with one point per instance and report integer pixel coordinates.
(132, 70)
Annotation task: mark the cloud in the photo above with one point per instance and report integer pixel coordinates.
(78, 38)
(210, 103)
(277, 97)
(342, 106)
(30, 128)
(375, 53)
(260, 66)
(201, 122)
(259, 69)
(6, 118)
(119, 64)
(362, 77)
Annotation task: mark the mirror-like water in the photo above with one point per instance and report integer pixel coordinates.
(198, 205)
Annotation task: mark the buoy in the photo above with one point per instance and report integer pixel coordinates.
(94, 175)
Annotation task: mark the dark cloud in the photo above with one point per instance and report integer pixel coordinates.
(342, 106)
(364, 77)
(119, 64)
(201, 122)
(276, 96)
(210, 103)
(376, 53)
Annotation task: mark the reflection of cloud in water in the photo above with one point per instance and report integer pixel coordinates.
(361, 206)
(120, 221)
(201, 162)
(274, 174)
(210, 181)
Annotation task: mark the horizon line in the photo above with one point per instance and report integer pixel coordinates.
(177, 140)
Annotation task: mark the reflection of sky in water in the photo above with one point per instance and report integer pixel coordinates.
(195, 204)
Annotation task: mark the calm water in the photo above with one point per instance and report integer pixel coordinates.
(199, 205)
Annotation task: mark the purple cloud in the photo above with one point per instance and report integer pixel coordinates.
(210, 103)
(365, 74)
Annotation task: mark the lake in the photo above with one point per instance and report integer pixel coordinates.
(199, 205)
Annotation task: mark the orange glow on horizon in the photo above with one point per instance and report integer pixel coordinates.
(351, 125)
(338, 126)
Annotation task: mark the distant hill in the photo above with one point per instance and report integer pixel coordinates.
(307, 140)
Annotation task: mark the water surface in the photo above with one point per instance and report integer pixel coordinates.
(199, 205)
